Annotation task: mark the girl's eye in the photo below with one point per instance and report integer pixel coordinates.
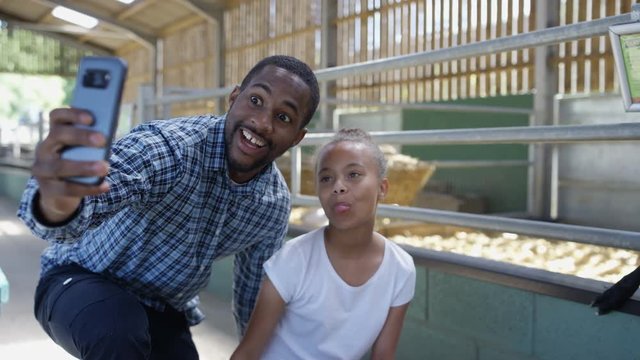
(284, 118)
(255, 100)
(324, 179)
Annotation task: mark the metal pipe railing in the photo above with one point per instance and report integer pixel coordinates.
(544, 37)
(204, 94)
(549, 36)
(552, 134)
(511, 135)
(544, 134)
(581, 234)
(464, 164)
(435, 107)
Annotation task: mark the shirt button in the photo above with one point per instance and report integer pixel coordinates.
(201, 267)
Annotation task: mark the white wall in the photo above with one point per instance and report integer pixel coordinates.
(599, 183)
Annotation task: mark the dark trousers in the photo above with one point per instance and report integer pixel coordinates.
(93, 318)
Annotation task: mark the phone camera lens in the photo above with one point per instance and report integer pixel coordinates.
(96, 79)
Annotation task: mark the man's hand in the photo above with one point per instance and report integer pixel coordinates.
(59, 198)
(615, 296)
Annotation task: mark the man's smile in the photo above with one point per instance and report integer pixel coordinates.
(253, 138)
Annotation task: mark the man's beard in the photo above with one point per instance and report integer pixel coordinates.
(236, 165)
(239, 167)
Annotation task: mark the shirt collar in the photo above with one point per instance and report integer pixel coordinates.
(216, 144)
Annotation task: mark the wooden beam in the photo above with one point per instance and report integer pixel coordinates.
(143, 37)
(207, 10)
(68, 40)
(134, 9)
(188, 21)
(68, 29)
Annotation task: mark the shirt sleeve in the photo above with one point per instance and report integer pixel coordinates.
(143, 167)
(282, 269)
(405, 290)
(247, 275)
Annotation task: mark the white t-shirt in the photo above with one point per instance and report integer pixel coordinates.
(325, 317)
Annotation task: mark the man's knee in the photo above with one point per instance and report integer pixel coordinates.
(91, 317)
(114, 328)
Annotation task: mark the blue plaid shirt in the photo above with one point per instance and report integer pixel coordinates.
(170, 212)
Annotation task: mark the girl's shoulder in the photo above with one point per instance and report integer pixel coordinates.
(399, 255)
(300, 247)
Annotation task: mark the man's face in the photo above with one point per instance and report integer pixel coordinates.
(264, 121)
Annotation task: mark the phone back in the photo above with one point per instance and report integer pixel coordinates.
(98, 90)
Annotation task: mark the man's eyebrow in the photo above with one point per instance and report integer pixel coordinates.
(289, 103)
(266, 87)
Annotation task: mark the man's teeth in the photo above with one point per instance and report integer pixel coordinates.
(253, 140)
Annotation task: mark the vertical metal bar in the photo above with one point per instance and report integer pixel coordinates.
(40, 126)
(546, 86)
(328, 58)
(296, 169)
(218, 57)
(145, 95)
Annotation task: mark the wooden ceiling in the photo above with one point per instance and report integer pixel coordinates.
(120, 25)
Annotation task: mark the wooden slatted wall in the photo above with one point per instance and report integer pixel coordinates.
(376, 29)
(189, 64)
(255, 29)
(587, 65)
(401, 27)
(138, 73)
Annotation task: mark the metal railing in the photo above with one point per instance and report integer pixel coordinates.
(544, 134)
(510, 135)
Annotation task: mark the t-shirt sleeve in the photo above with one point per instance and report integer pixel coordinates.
(284, 269)
(406, 284)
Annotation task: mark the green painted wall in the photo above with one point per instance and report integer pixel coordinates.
(469, 319)
(505, 188)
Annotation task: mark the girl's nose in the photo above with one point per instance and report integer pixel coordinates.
(338, 188)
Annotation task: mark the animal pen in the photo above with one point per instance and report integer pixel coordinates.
(508, 282)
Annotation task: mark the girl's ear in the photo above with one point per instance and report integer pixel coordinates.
(384, 187)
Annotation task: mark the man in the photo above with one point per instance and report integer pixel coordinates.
(128, 257)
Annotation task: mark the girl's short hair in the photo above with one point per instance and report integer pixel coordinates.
(357, 135)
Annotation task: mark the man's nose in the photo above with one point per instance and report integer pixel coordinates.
(263, 122)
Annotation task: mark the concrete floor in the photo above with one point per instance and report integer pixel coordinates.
(21, 336)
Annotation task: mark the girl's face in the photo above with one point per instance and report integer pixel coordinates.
(349, 185)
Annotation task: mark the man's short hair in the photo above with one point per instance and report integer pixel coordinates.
(296, 67)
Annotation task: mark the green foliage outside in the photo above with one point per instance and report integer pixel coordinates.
(22, 94)
(36, 75)
(25, 52)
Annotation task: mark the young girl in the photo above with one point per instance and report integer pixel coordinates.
(341, 290)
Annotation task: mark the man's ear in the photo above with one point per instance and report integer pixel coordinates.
(234, 94)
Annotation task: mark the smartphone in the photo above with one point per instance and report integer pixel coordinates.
(98, 90)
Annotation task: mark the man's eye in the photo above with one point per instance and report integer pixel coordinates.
(324, 179)
(284, 118)
(255, 100)
(354, 175)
